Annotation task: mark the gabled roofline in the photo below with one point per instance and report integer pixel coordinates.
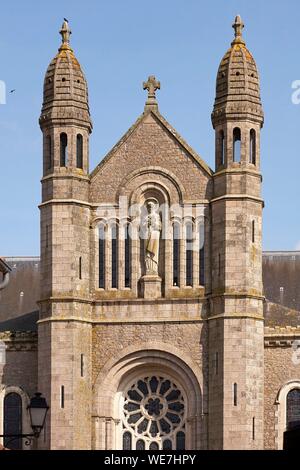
(168, 128)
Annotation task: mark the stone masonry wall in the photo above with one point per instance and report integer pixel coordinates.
(279, 370)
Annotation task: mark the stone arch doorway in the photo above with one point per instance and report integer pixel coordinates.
(149, 399)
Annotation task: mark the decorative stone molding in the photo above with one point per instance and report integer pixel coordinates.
(20, 341)
(281, 337)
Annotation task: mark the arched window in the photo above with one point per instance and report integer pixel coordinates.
(13, 419)
(114, 256)
(176, 254)
(293, 409)
(63, 149)
(102, 257)
(127, 441)
(180, 441)
(237, 144)
(153, 446)
(202, 254)
(127, 256)
(221, 148)
(253, 147)
(49, 152)
(140, 445)
(189, 254)
(154, 414)
(167, 444)
(79, 151)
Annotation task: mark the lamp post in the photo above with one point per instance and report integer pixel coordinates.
(38, 409)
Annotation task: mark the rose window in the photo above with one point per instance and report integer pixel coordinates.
(154, 415)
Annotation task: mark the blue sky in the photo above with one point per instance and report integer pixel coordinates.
(119, 43)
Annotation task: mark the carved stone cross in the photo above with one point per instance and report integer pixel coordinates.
(151, 85)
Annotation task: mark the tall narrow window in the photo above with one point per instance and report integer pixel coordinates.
(253, 429)
(217, 363)
(202, 254)
(235, 395)
(189, 254)
(127, 441)
(237, 145)
(253, 147)
(176, 254)
(219, 265)
(49, 151)
(79, 151)
(47, 236)
(82, 365)
(221, 148)
(127, 256)
(253, 231)
(293, 409)
(63, 149)
(62, 396)
(80, 268)
(102, 257)
(180, 441)
(114, 256)
(13, 419)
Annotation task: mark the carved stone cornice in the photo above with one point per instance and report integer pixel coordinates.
(20, 341)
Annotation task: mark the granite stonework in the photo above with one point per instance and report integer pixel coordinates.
(108, 330)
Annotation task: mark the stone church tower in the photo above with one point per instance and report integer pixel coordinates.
(65, 330)
(236, 327)
(151, 313)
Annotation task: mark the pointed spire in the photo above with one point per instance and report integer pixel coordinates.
(238, 27)
(151, 85)
(65, 33)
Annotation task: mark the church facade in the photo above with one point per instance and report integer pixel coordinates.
(154, 331)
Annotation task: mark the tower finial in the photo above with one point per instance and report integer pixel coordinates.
(65, 34)
(238, 27)
(151, 85)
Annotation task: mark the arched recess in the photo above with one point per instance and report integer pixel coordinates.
(150, 358)
(26, 428)
(281, 411)
(152, 175)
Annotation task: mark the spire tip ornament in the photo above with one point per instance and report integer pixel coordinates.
(65, 33)
(238, 27)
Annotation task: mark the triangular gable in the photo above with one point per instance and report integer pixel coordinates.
(168, 128)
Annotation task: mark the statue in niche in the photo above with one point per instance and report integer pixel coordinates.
(152, 228)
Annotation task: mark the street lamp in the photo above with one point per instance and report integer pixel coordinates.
(38, 410)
